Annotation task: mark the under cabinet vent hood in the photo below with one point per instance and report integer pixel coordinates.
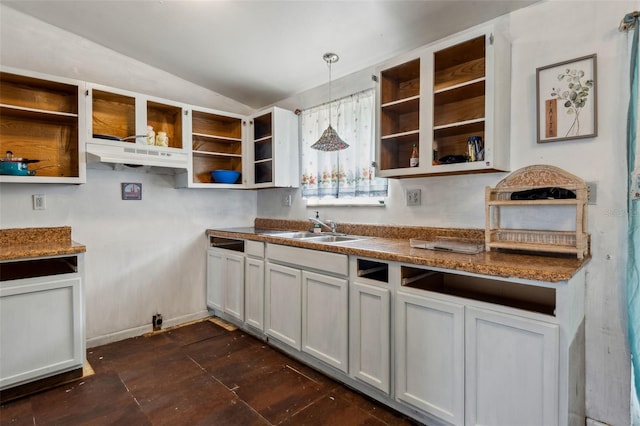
(135, 154)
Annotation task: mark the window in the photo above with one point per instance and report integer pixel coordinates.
(341, 174)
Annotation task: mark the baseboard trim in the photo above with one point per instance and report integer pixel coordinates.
(145, 329)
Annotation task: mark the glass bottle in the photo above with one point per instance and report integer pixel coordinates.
(413, 161)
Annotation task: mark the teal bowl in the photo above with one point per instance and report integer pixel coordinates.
(225, 176)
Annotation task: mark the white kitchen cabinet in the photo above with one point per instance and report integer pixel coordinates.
(43, 118)
(511, 369)
(225, 282)
(254, 286)
(369, 337)
(325, 306)
(273, 149)
(41, 319)
(118, 114)
(216, 142)
(438, 96)
(283, 309)
(429, 351)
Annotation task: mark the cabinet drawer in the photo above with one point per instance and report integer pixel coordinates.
(334, 263)
(254, 248)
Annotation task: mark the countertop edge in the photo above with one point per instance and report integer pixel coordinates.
(504, 265)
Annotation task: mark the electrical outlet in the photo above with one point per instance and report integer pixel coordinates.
(592, 193)
(413, 197)
(156, 321)
(286, 200)
(39, 201)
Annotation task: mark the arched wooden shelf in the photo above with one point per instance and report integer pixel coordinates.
(535, 177)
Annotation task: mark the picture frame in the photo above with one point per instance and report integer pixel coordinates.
(566, 101)
(131, 191)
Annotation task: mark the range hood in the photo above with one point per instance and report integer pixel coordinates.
(125, 153)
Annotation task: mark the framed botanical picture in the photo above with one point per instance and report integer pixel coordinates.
(566, 100)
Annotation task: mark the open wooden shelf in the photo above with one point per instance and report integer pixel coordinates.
(168, 119)
(113, 114)
(216, 145)
(39, 121)
(575, 241)
(459, 96)
(263, 148)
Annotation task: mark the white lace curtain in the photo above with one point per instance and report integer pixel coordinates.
(346, 173)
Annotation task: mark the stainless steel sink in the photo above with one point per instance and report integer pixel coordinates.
(334, 238)
(325, 237)
(300, 234)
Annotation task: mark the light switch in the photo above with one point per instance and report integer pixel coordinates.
(39, 201)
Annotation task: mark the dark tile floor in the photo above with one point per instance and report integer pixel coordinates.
(199, 374)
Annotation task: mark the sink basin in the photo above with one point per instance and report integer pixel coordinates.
(334, 238)
(300, 234)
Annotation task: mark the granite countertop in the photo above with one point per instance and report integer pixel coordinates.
(391, 243)
(25, 243)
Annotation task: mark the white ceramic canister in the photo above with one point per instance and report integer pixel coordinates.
(162, 139)
(151, 136)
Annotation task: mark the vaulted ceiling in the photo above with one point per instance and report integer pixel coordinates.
(261, 51)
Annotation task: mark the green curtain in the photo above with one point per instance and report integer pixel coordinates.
(633, 262)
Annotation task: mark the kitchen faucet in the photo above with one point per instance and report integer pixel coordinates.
(330, 225)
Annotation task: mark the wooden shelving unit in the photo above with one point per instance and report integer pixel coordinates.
(459, 96)
(39, 119)
(399, 114)
(439, 96)
(216, 145)
(113, 114)
(168, 119)
(535, 177)
(263, 148)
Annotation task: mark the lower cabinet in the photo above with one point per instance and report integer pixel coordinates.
(254, 292)
(225, 282)
(41, 325)
(511, 369)
(430, 355)
(325, 307)
(475, 366)
(369, 335)
(283, 312)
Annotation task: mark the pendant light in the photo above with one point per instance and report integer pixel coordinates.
(330, 141)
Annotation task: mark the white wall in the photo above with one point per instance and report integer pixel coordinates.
(147, 255)
(541, 35)
(142, 256)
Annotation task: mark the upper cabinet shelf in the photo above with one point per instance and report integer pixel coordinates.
(41, 118)
(117, 130)
(216, 144)
(273, 144)
(438, 97)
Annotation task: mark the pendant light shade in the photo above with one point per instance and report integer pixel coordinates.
(330, 141)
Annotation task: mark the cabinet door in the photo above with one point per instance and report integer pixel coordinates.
(430, 355)
(254, 293)
(511, 370)
(283, 296)
(215, 280)
(41, 328)
(325, 318)
(273, 136)
(369, 335)
(234, 285)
